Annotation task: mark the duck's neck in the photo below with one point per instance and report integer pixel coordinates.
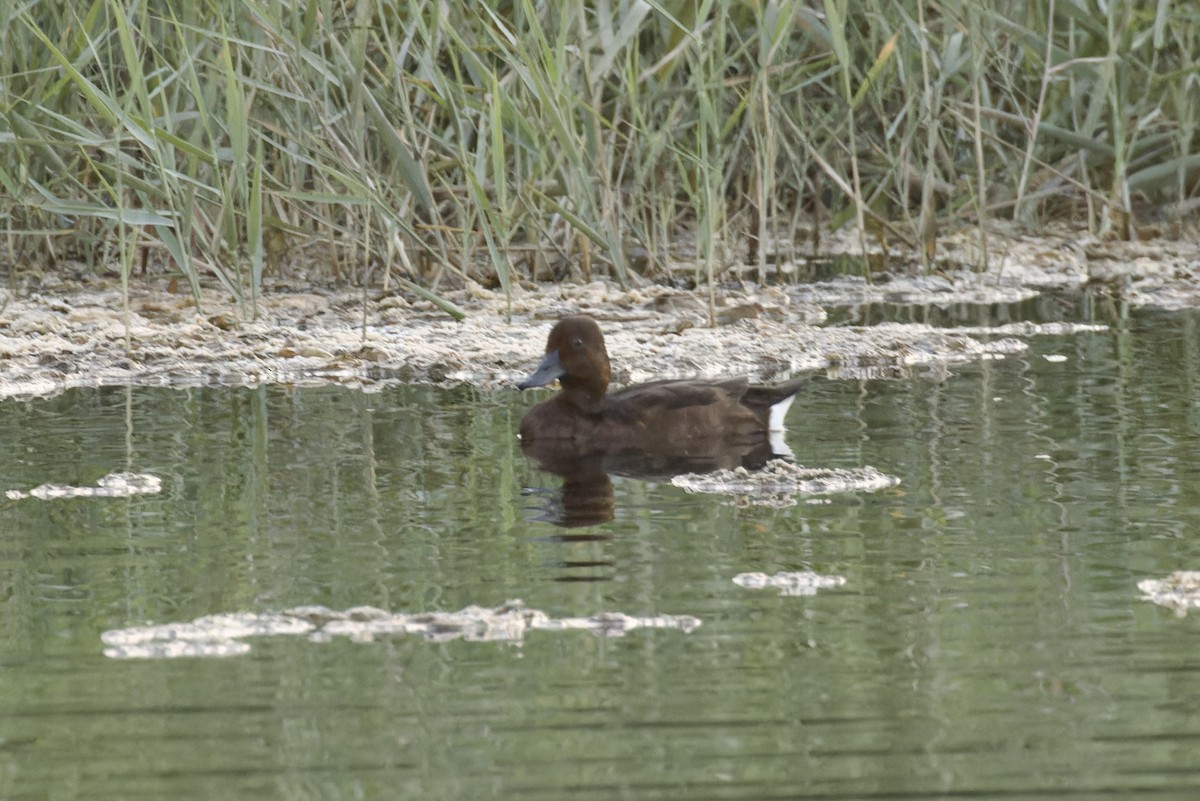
(587, 396)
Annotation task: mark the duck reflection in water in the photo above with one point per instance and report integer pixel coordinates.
(654, 430)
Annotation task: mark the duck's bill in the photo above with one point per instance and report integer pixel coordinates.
(550, 369)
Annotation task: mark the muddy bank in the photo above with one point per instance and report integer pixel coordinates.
(68, 334)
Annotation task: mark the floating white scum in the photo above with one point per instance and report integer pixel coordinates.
(779, 481)
(804, 582)
(114, 485)
(225, 634)
(1178, 592)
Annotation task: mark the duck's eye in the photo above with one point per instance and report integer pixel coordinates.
(577, 342)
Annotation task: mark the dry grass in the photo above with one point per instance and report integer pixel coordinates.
(514, 140)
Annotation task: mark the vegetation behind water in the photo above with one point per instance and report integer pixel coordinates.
(507, 140)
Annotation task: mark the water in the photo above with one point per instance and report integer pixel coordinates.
(989, 641)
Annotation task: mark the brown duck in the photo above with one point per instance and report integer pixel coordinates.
(671, 416)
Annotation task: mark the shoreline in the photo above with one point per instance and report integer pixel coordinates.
(71, 334)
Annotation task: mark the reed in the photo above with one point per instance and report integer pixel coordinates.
(507, 141)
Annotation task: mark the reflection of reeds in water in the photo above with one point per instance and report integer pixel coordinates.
(418, 144)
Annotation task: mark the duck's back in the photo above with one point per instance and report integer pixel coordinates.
(670, 410)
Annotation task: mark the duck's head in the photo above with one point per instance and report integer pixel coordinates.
(577, 357)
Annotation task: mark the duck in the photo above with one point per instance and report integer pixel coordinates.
(674, 417)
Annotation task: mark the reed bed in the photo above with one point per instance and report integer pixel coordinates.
(421, 145)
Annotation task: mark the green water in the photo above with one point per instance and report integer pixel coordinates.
(989, 641)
